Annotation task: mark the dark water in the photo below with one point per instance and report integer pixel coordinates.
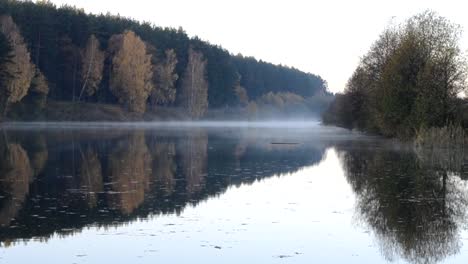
(238, 194)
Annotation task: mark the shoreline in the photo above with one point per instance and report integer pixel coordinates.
(159, 124)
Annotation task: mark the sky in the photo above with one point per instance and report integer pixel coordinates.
(325, 37)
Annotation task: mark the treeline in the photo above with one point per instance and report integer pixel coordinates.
(409, 81)
(261, 77)
(65, 54)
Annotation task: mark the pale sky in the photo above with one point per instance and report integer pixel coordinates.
(322, 37)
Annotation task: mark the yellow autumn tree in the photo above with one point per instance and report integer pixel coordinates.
(131, 71)
(19, 68)
(194, 89)
(92, 66)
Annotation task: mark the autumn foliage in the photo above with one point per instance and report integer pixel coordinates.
(61, 56)
(131, 71)
(19, 69)
(194, 91)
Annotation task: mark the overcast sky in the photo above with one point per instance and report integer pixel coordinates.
(322, 37)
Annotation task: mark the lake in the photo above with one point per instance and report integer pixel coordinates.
(226, 193)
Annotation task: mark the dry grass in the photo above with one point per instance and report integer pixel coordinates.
(67, 111)
(451, 136)
(443, 148)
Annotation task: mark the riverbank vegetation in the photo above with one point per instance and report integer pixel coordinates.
(68, 56)
(409, 83)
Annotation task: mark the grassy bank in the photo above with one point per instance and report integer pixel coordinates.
(85, 112)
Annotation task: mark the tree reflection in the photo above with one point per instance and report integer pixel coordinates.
(16, 174)
(163, 164)
(129, 171)
(90, 175)
(413, 206)
(38, 152)
(192, 160)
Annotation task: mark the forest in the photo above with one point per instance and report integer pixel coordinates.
(409, 85)
(56, 61)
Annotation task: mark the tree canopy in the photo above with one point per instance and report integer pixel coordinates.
(409, 80)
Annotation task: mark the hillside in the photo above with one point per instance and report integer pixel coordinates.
(64, 54)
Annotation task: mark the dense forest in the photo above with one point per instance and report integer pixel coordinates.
(409, 84)
(50, 55)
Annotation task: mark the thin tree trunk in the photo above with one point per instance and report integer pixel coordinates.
(75, 68)
(192, 91)
(88, 72)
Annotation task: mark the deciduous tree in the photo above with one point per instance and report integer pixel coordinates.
(194, 89)
(92, 66)
(409, 80)
(131, 71)
(19, 68)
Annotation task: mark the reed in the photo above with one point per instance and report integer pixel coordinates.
(450, 136)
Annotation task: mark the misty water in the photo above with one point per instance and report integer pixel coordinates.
(226, 193)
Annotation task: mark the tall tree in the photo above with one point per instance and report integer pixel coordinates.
(194, 89)
(165, 77)
(19, 67)
(131, 71)
(5, 56)
(408, 81)
(92, 67)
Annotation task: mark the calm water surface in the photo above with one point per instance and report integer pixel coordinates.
(229, 193)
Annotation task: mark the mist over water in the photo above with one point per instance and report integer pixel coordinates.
(165, 124)
(226, 192)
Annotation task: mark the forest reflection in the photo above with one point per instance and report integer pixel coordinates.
(57, 182)
(414, 201)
